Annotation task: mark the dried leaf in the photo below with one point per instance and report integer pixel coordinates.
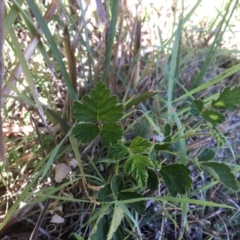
(57, 219)
(69, 195)
(53, 208)
(61, 171)
(73, 163)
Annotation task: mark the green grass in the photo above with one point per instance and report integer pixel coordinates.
(181, 58)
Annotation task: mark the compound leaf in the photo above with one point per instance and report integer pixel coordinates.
(176, 178)
(223, 173)
(104, 194)
(213, 117)
(116, 184)
(86, 132)
(152, 183)
(136, 166)
(143, 129)
(167, 130)
(117, 151)
(162, 146)
(101, 228)
(110, 133)
(139, 145)
(196, 107)
(98, 106)
(206, 155)
(229, 99)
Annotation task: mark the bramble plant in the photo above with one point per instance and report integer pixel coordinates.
(150, 150)
(136, 163)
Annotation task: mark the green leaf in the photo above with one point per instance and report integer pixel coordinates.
(76, 236)
(167, 130)
(116, 184)
(136, 166)
(101, 228)
(143, 128)
(110, 133)
(223, 173)
(176, 178)
(142, 97)
(152, 183)
(206, 155)
(213, 117)
(86, 132)
(139, 145)
(162, 146)
(117, 217)
(119, 234)
(229, 99)
(56, 117)
(196, 107)
(104, 194)
(221, 140)
(98, 106)
(117, 151)
(138, 206)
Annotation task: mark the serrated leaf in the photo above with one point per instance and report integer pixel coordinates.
(101, 228)
(136, 166)
(229, 99)
(223, 173)
(86, 132)
(167, 130)
(119, 234)
(139, 145)
(116, 184)
(213, 117)
(206, 155)
(61, 171)
(162, 146)
(221, 140)
(138, 206)
(98, 106)
(117, 217)
(143, 128)
(117, 151)
(110, 133)
(104, 194)
(175, 146)
(196, 107)
(152, 183)
(176, 178)
(142, 97)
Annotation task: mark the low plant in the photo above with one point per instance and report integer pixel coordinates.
(138, 166)
(132, 159)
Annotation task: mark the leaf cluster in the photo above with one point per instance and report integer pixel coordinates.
(97, 115)
(137, 160)
(229, 99)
